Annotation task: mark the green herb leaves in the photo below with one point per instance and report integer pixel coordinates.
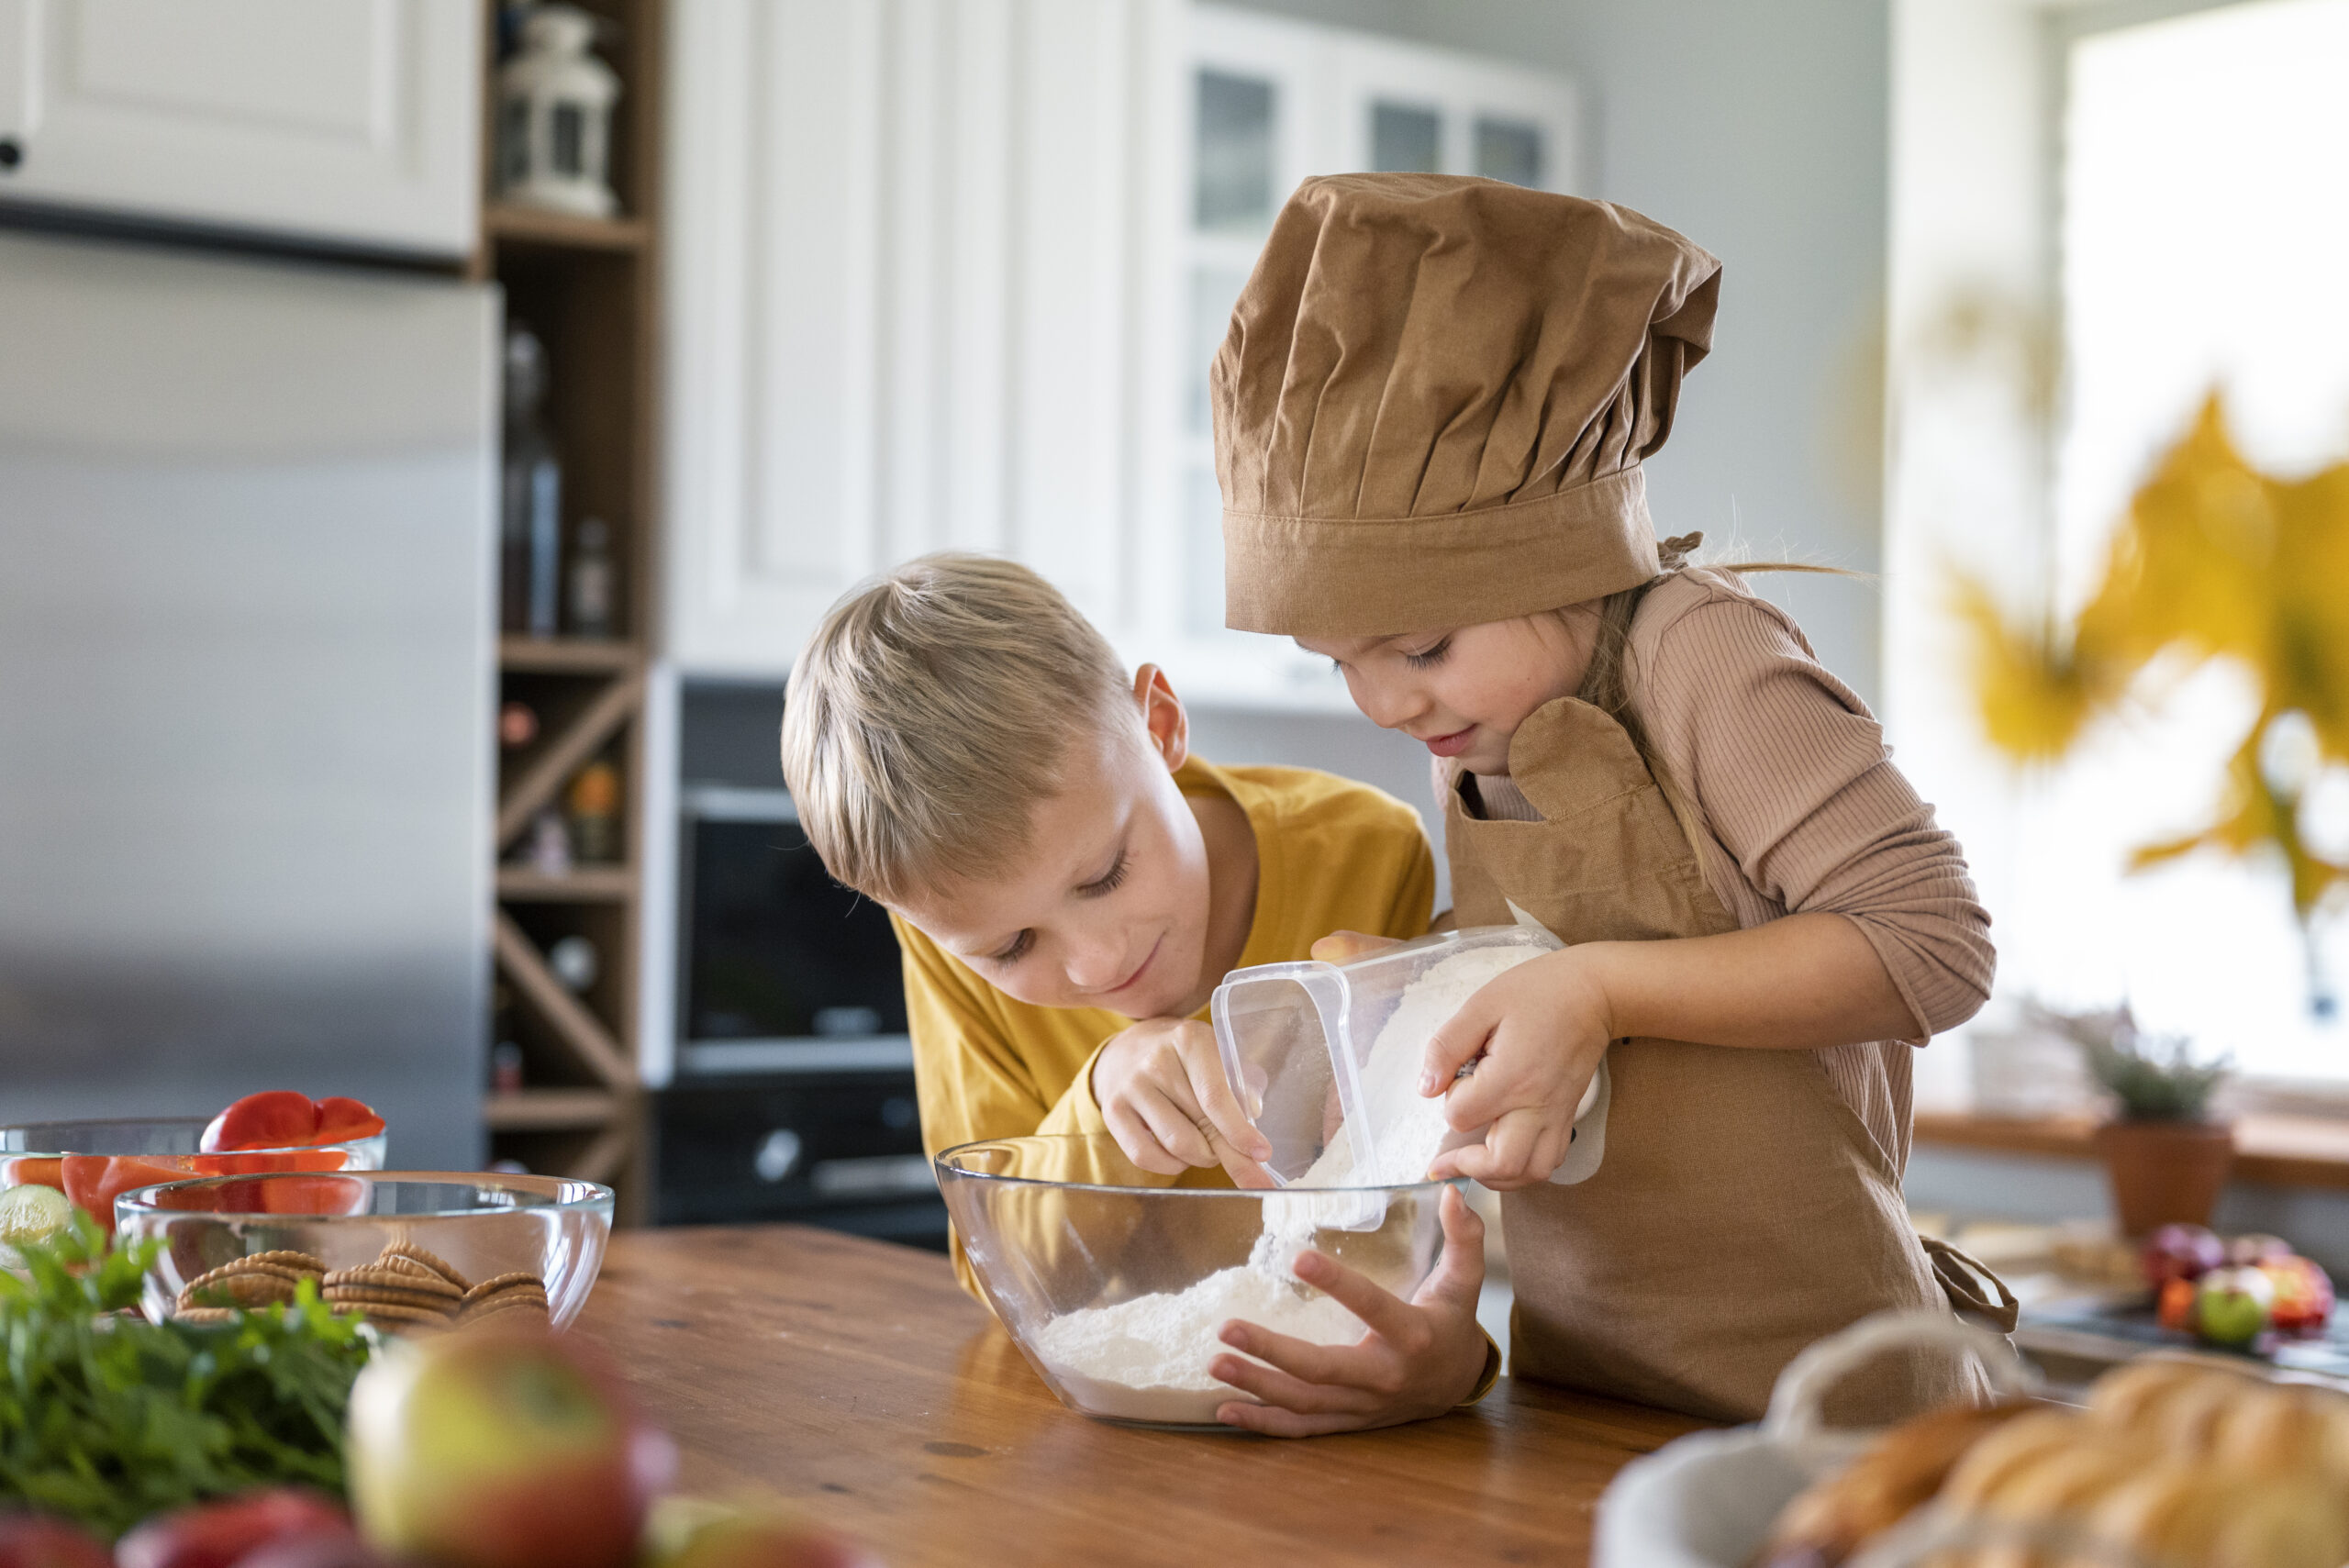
(107, 1420)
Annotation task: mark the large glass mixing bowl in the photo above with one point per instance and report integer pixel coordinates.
(94, 1162)
(484, 1225)
(1114, 1282)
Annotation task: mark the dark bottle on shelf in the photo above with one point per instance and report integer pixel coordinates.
(530, 515)
(594, 586)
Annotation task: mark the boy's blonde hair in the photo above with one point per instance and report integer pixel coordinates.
(931, 710)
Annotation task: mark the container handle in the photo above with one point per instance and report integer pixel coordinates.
(1794, 1415)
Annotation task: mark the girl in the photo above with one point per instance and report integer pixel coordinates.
(1431, 410)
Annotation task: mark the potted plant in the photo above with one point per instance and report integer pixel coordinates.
(2164, 1156)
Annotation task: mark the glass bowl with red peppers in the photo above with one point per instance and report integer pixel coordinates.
(94, 1162)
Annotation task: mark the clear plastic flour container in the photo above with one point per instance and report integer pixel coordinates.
(1326, 1056)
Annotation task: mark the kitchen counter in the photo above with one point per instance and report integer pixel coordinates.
(855, 1379)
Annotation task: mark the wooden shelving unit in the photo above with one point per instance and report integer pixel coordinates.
(590, 289)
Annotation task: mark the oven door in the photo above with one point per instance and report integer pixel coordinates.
(784, 970)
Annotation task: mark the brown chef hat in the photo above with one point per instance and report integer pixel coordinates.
(1432, 402)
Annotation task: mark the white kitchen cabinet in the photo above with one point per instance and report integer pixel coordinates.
(354, 122)
(898, 302)
(948, 273)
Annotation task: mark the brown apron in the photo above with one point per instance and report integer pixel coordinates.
(1740, 1210)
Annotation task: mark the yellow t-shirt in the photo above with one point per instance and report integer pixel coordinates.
(1331, 855)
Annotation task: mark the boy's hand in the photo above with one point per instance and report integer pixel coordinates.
(1536, 1034)
(1419, 1359)
(1161, 1088)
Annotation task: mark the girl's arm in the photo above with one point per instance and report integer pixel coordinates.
(1880, 938)
(1805, 980)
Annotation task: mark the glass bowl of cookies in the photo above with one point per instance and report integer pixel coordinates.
(1115, 1281)
(411, 1251)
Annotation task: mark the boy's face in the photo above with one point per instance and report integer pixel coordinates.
(1108, 905)
(1462, 691)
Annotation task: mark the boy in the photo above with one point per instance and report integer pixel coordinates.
(1068, 883)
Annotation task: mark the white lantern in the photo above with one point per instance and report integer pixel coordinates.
(554, 116)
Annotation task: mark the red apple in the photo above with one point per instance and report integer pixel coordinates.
(500, 1449)
(2180, 1252)
(2230, 1306)
(218, 1535)
(687, 1532)
(37, 1540)
(275, 1119)
(2303, 1295)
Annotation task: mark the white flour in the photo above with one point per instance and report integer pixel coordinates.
(1147, 1359)
(1408, 1126)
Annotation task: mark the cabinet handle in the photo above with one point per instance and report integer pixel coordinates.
(12, 153)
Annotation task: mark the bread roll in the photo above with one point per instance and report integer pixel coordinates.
(1827, 1523)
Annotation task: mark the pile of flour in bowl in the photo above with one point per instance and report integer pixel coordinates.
(1147, 1359)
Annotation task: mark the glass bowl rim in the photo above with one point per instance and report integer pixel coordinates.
(597, 1198)
(198, 1122)
(939, 1160)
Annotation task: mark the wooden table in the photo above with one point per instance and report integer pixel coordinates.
(856, 1379)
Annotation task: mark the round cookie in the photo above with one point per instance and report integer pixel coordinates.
(378, 1277)
(410, 1253)
(242, 1284)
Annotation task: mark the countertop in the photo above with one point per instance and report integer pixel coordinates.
(855, 1379)
(2280, 1151)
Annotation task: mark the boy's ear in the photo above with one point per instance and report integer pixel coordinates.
(1164, 721)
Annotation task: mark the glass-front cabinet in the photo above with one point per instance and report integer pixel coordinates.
(1263, 103)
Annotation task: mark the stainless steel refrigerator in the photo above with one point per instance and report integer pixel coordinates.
(246, 682)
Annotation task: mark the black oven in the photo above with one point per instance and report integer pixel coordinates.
(793, 1091)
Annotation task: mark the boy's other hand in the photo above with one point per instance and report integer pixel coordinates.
(1535, 1034)
(1161, 1088)
(1420, 1358)
(1344, 947)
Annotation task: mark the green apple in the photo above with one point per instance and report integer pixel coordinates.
(2230, 1306)
(690, 1533)
(29, 1213)
(500, 1449)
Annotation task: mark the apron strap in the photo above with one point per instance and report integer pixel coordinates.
(1962, 1278)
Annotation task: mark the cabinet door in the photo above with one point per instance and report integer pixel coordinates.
(349, 121)
(1406, 108)
(1243, 115)
(897, 303)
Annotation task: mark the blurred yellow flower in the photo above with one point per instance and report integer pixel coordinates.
(2214, 561)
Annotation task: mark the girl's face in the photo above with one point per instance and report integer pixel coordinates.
(1462, 691)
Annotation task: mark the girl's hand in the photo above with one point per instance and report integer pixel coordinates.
(1344, 947)
(1536, 1034)
(1419, 1359)
(1161, 1090)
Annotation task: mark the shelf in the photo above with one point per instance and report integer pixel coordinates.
(584, 1035)
(563, 754)
(531, 1110)
(564, 656)
(589, 884)
(535, 226)
(2277, 1150)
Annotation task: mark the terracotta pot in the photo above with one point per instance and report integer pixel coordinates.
(2165, 1173)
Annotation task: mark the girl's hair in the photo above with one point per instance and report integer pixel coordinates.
(1607, 682)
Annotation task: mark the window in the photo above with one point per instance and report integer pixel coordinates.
(2204, 189)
